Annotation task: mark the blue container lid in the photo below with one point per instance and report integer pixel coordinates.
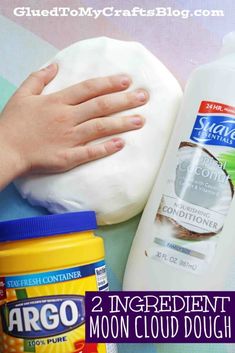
(38, 227)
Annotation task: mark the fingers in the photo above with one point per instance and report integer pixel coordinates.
(35, 83)
(92, 88)
(109, 104)
(97, 128)
(83, 154)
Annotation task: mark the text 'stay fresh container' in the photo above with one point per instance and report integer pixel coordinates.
(46, 266)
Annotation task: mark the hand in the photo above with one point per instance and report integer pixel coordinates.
(49, 133)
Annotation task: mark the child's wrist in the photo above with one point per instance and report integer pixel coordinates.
(13, 164)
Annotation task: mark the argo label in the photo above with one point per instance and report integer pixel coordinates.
(42, 316)
(45, 312)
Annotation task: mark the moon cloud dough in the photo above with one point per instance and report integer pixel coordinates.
(116, 187)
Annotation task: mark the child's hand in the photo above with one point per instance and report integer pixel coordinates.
(48, 133)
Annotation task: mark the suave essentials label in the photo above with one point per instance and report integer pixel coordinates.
(45, 312)
(198, 193)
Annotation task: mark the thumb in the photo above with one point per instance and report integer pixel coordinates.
(35, 83)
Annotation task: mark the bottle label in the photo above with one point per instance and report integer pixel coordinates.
(198, 193)
(45, 312)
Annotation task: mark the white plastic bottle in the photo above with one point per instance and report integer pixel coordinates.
(186, 237)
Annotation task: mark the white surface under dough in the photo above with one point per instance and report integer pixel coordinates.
(116, 187)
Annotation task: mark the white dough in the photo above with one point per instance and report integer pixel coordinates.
(116, 187)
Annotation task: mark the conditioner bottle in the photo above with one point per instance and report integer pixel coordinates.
(186, 237)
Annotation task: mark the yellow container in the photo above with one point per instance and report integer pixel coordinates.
(46, 266)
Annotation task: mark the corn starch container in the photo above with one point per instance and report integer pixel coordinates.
(46, 266)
